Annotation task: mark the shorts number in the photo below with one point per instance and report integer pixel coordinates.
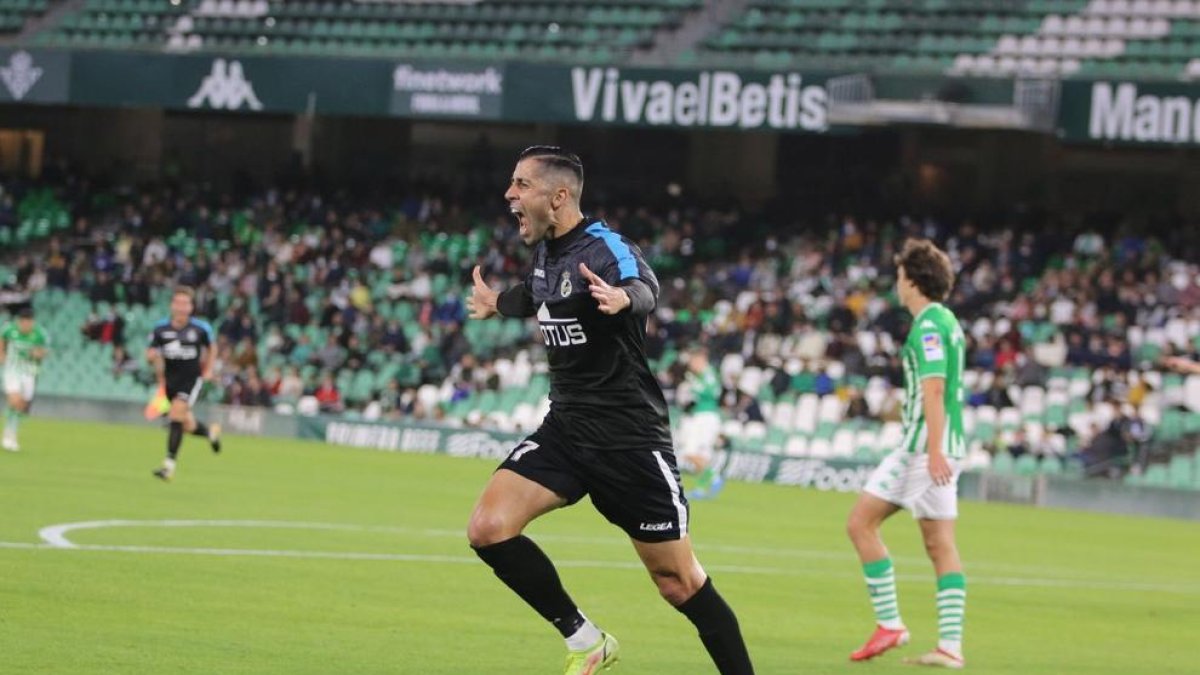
(524, 447)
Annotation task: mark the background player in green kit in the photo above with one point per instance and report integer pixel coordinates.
(23, 345)
(922, 474)
(702, 426)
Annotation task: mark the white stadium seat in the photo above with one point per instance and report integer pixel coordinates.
(806, 413)
(820, 447)
(867, 440)
(754, 430)
(797, 446)
(831, 409)
(844, 443)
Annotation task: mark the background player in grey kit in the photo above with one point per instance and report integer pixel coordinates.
(182, 351)
(607, 434)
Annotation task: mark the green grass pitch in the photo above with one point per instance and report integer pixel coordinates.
(294, 557)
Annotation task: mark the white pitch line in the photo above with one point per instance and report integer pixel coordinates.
(54, 537)
(585, 564)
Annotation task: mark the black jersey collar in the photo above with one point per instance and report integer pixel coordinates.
(560, 244)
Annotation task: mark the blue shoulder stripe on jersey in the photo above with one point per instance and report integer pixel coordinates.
(162, 323)
(626, 263)
(206, 326)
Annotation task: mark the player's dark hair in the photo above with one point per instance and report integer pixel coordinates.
(554, 156)
(184, 290)
(928, 267)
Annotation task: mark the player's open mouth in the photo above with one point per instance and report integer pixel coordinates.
(522, 224)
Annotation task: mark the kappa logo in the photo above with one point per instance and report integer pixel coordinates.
(656, 527)
(564, 289)
(226, 88)
(539, 273)
(20, 74)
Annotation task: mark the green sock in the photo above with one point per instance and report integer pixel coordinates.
(881, 584)
(951, 607)
(706, 478)
(12, 420)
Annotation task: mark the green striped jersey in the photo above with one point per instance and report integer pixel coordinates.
(935, 347)
(18, 348)
(706, 390)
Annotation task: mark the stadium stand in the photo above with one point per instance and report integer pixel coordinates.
(1064, 330)
(1147, 39)
(1101, 38)
(598, 32)
(16, 14)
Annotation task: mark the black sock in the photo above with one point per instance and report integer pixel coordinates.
(522, 566)
(201, 429)
(174, 438)
(718, 627)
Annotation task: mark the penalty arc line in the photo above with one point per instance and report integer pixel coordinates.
(54, 537)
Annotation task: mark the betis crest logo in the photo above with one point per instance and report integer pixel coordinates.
(564, 289)
(20, 74)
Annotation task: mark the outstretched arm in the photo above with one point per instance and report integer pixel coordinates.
(1182, 365)
(484, 303)
(633, 294)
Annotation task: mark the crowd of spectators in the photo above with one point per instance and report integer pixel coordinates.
(795, 297)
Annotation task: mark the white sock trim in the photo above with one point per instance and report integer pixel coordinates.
(587, 636)
(953, 647)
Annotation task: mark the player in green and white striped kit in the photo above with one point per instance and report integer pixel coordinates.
(702, 426)
(23, 345)
(922, 474)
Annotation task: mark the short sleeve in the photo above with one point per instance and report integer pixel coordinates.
(618, 260)
(930, 351)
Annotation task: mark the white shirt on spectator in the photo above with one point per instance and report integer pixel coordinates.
(381, 255)
(156, 252)
(1062, 311)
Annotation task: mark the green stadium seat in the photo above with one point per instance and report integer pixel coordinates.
(1156, 475)
(1181, 472)
(1026, 465)
(1051, 466)
(1002, 463)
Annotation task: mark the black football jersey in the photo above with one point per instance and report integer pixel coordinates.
(602, 391)
(181, 348)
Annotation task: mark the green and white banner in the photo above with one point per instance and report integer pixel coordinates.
(420, 438)
(841, 475)
(718, 99)
(681, 98)
(1130, 112)
(838, 475)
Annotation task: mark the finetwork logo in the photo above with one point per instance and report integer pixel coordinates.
(448, 92)
(20, 74)
(226, 88)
